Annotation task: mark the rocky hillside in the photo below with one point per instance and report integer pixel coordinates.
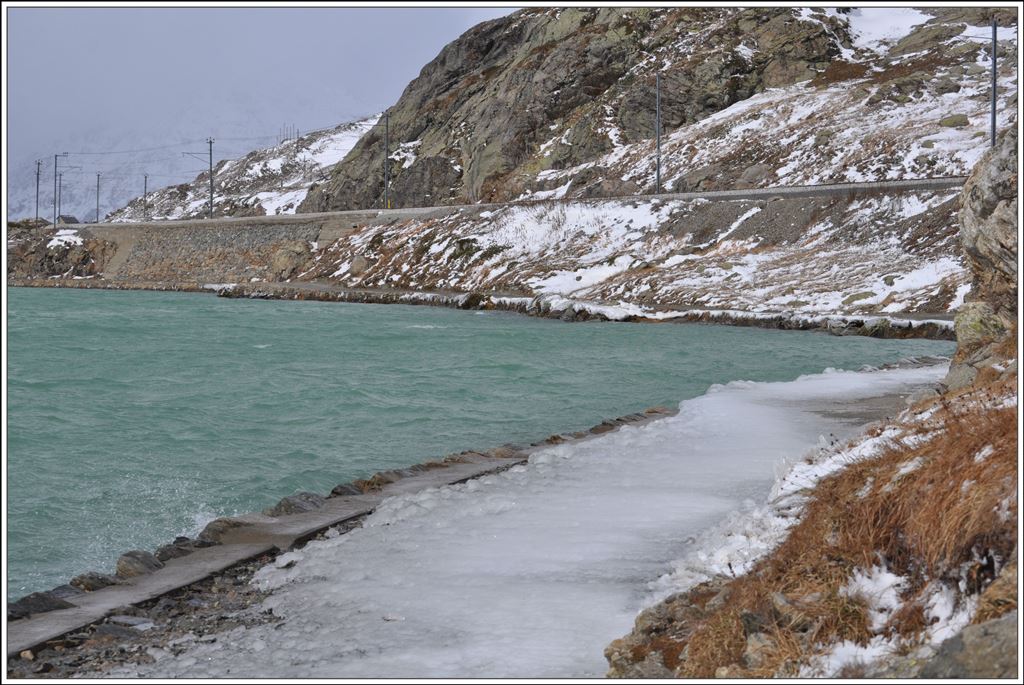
(560, 103)
(925, 583)
(271, 180)
(549, 105)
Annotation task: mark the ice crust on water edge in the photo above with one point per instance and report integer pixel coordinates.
(532, 571)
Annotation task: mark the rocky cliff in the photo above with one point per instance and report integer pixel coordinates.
(988, 220)
(561, 102)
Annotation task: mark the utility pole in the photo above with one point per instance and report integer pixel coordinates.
(55, 202)
(60, 190)
(210, 141)
(995, 46)
(145, 188)
(97, 197)
(387, 172)
(39, 164)
(657, 129)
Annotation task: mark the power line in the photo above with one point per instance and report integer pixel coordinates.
(144, 149)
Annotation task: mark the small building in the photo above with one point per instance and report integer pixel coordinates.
(67, 219)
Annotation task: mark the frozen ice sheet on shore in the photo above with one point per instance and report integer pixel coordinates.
(531, 572)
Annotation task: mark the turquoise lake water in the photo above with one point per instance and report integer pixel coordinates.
(137, 416)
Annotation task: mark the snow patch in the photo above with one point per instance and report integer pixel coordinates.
(64, 238)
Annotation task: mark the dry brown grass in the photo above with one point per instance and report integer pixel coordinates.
(951, 518)
(838, 71)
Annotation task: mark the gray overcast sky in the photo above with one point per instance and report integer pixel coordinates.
(89, 77)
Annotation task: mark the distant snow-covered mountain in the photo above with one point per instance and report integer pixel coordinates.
(272, 180)
(124, 153)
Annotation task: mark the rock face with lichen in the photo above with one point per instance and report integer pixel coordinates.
(475, 122)
(989, 224)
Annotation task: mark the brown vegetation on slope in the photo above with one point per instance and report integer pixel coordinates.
(927, 509)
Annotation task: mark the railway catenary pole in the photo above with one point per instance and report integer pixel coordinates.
(387, 171)
(657, 129)
(56, 189)
(39, 164)
(995, 47)
(210, 142)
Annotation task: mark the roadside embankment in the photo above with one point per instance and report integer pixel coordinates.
(844, 262)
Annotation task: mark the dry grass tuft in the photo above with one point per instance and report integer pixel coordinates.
(1000, 597)
(720, 641)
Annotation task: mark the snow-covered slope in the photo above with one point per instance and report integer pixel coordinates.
(877, 113)
(271, 180)
(881, 254)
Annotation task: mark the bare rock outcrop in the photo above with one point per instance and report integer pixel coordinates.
(989, 225)
(987, 650)
(32, 253)
(475, 124)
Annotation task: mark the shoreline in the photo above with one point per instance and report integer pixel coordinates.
(230, 542)
(553, 307)
(252, 541)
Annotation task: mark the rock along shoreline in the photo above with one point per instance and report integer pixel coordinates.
(563, 309)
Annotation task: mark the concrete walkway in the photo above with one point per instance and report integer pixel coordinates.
(265, 534)
(261, 534)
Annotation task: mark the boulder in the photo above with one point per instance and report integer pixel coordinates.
(91, 581)
(822, 138)
(755, 173)
(216, 530)
(298, 503)
(67, 591)
(137, 563)
(289, 259)
(977, 324)
(36, 603)
(345, 489)
(987, 650)
(758, 646)
(955, 121)
(181, 547)
(358, 266)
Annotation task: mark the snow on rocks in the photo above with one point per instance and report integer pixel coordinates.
(65, 237)
(269, 181)
(806, 257)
